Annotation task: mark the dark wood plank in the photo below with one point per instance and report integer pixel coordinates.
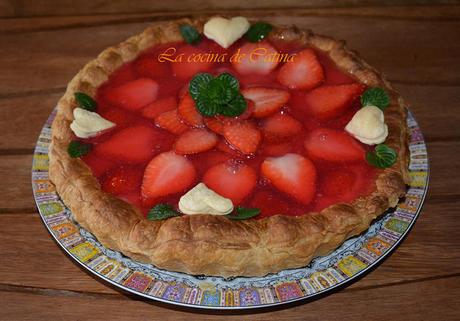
(439, 12)
(57, 55)
(36, 261)
(387, 303)
(68, 7)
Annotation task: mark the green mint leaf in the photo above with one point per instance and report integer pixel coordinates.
(258, 31)
(199, 84)
(77, 149)
(382, 157)
(235, 107)
(190, 34)
(229, 81)
(161, 212)
(217, 95)
(243, 213)
(375, 96)
(207, 107)
(84, 101)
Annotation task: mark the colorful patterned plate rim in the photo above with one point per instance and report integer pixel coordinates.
(323, 274)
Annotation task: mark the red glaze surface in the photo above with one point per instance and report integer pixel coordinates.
(335, 181)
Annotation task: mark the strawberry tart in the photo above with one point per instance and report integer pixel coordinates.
(228, 147)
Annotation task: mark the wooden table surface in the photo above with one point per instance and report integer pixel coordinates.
(44, 43)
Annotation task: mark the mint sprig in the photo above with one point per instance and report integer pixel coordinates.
(217, 95)
(78, 149)
(258, 31)
(84, 101)
(382, 157)
(375, 96)
(161, 212)
(190, 34)
(243, 213)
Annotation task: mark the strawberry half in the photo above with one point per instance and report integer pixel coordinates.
(292, 174)
(330, 101)
(168, 173)
(254, 59)
(244, 136)
(195, 141)
(267, 101)
(190, 64)
(280, 126)
(122, 180)
(171, 122)
(133, 95)
(135, 144)
(332, 145)
(158, 107)
(188, 112)
(232, 180)
(305, 72)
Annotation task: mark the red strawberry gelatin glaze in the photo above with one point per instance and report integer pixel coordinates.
(291, 112)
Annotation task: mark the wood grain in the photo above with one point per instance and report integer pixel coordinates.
(416, 46)
(33, 24)
(23, 8)
(377, 304)
(55, 59)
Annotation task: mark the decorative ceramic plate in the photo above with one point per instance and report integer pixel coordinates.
(353, 258)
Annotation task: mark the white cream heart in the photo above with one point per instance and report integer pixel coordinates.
(88, 124)
(224, 31)
(202, 200)
(368, 126)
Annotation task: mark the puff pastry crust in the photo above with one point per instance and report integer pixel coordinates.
(215, 245)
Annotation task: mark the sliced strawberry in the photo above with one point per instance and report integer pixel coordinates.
(333, 145)
(168, 173)
(188, 112)
(133, 95)
(232, 180)
(255, 58)
(122, 180)
(195, 141)
(244, 136)
(280, 126)
(292, 174)
(132, 145)
(304, 72)
(276, 149)
(214, 124)
(150, 67)
(171, 122)
(158, 107)
(190, 63)
(267, 101)
(330, 101)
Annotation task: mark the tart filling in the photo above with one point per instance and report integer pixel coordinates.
(286, 153)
